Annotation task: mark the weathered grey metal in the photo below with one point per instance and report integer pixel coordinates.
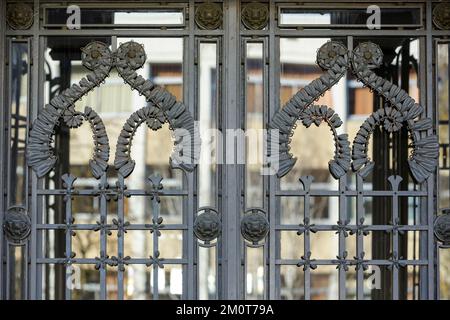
(333, 57)
(255, 15)
(163, 107)
(231, 186)
(40, 156)
(207, 224)
(16, 225)
(342, 158)
(401, 108)
(209, 15)
(254, 225)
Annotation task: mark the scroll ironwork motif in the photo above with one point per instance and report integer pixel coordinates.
(162, 107)
(442, 227)
(400, 109)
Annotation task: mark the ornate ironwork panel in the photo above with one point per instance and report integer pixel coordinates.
(224, 150)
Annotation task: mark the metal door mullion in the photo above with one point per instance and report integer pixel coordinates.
(273, 201)
(342, 237)
(428, 279)
(395, 247)
(231, 276)
(68, 244)
(190, 247)
(155, 249)
(360, 215)
(38, 80)
(307, 243)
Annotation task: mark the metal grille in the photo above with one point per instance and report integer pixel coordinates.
(233, 241)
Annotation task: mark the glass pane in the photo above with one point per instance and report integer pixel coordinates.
(207, 117)
(351, 17)
(442, 92)
(254, 274)
(89, 17)
(18, 123)
(254, 116)
(207, 273)
(313, 146)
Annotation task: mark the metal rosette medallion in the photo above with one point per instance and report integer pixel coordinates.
(254, 226)
(17, 225)
(442, 227)
(207, 226)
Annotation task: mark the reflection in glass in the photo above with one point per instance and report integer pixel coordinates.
(207, 117)
(18, 112)
(254, 115)
(90, 17)
(314, 147)
(208, 110)
(352, 17)
(254, 273)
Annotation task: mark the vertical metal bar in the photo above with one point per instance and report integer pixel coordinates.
(429, 212)
(395, 240)
(36, 96)
(273, 201)
(8, 277)
(190, 282)
(307, 242)
(342, 249)
(360, 214)
(103, 235)
(231, 253)
(2, 141)
(120, 240)
(68, 240)
(155, 212)
(219, 167)
(8, 272)
(243, 112)
(38, 80)
(265, 179)
(26, 171)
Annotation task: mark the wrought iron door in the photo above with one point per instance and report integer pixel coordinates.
(190, 187)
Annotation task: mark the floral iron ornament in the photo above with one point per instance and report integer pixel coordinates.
(162, 107)
(400, 110)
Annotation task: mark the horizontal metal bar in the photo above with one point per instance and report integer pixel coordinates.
(110, 227)
(94, 261)
(329, 262)
(135, 33)
(110, 192)
(350, 193)
(324, 227)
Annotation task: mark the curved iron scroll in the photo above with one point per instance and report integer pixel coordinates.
(163, 107)
(400, 109)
